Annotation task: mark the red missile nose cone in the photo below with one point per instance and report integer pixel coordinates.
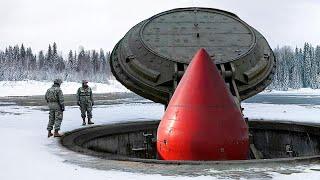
(202, 121)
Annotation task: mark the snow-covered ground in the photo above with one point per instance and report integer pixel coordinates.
(31, 87)
(26, 152)
(301, 91)
(289, 112)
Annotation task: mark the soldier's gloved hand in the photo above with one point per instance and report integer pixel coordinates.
(92, 103)
(78, 103)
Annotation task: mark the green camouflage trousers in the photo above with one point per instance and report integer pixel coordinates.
(86, 107)
(55, 119)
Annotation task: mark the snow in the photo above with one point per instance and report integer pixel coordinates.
(31, 87)
(294, 113)
(301, 91)
(309, 174)
(26, 152)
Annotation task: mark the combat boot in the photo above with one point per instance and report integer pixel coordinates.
(50, 134)
(89, 121)
(57, 134)
(83, 121)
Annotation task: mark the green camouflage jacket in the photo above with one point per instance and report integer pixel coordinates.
(84, 95)
(54, 98)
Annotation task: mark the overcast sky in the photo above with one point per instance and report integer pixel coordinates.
(97, 24)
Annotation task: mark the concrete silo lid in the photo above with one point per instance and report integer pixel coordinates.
(177, 34)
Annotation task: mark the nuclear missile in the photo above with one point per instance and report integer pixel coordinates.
(202, 120)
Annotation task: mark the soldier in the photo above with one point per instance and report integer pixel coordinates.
(55, 100)
(85, 101)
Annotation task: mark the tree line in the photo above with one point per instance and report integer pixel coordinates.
(296, 67)
(21, 63)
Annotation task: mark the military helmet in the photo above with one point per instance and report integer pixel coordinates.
(84, 81)
(57, 81)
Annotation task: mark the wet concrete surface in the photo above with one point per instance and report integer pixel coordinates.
(70, 99)
(120, 98)
(297, 99)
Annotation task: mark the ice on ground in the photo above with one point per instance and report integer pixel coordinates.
(301, 91)
(31, 87)
(295, 113)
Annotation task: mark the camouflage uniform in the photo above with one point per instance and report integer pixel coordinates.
(55, 100)
(85, 101)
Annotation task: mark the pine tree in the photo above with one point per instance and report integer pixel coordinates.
(81, 60)
(317, 62)
(107, 65)
(57, 61)
(54, 49)
(60, 66)
(23, 55)
(16, 58)
(70, 60)
(30, 59)
(296, 81)
(41, 60)
(314, 69)
(288, 61)
(102, 60)
(95, 62)
(48, 62)
(306, 65)
(284, 68)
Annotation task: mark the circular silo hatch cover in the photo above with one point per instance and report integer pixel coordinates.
(177, 35)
